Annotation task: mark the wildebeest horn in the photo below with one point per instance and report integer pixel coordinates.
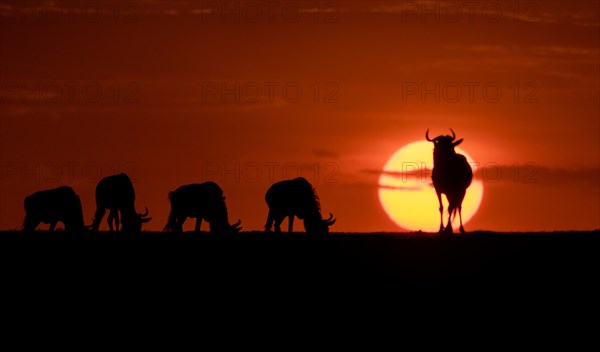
(145, 214)
(330, 222)
(236, 224)
(453, 135)
(427, 135)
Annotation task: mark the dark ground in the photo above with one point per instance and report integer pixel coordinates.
(479, 260)
(267, 282)
(497, 288)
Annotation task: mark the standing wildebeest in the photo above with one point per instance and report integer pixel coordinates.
(116, 194)
(200, 201)
(296, 197)
(51, 206)
(451, 176)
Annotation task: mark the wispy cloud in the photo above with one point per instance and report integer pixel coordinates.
(513, 50)
(323, 153)
(528, 12)
(527, 173)
(402, 188)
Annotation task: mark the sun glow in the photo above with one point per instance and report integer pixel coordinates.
(407, 195)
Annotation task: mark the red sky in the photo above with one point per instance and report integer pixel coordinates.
(183, 92)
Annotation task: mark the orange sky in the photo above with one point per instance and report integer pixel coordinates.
(139, 87)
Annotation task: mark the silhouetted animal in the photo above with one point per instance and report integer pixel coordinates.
(116, 194)
(451, 176)
(51, 206)
(200, 201)
(296, 197)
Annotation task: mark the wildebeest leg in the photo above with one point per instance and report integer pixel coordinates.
(117, 221)
(30, 223)
(198, 224)
(109, 219)
(448, 228)
(173, 220)
(441, 208)
(291, 223)
(179, 223)
(462, 196)
(278, 220)
(462, 229)
(98, 217)
(31, 226)
(52, 226)
(269, 223)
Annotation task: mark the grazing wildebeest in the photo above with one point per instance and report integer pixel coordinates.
(200, 201)
(116, 194)
(451, 176)
(296, 197)
(51, 206)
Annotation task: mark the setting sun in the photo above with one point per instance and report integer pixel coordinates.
(217, 147)
(407, 195)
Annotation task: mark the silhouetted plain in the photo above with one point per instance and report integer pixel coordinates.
(298, 198)
(203, 201)
(51, 206)
(451, 176)
(116, 194)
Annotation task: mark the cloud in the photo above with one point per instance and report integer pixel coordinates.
(401, 188)
(370, 171)
(323, 153)
(533, 174)
(420, 174)
(542, 62)
(417, 10)
(512, 50)
(526, 173)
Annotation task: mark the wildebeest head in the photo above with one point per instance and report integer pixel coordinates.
(235, 228)
(317, 225)
(444, 143)
(133, 222)
(225, 228)
(74, 221)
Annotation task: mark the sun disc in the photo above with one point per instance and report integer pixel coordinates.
(407, 195)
